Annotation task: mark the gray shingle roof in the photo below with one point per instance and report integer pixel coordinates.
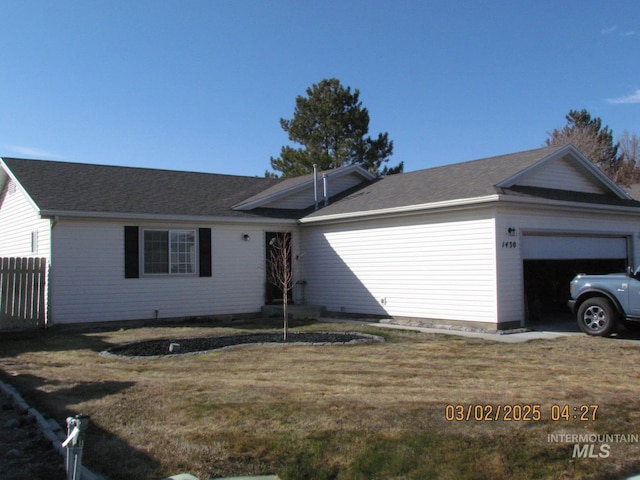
(476, 178)
(78, 187)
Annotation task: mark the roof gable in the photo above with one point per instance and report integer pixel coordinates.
(562, 175)
(565, 169)
(300, 193)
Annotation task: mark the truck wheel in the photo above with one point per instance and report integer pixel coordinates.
(597, 317)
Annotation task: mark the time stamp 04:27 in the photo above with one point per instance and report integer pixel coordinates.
(519, 413)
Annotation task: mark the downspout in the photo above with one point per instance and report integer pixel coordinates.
(49, 284)
(325, 189)
(315, 186)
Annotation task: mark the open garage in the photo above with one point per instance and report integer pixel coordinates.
(550, 261)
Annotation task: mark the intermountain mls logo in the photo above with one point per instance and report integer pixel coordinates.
(592, 445)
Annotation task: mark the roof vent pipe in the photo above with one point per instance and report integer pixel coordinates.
(315, 186)
(325, 189)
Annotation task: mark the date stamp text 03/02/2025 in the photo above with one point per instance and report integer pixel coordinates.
(531, 412)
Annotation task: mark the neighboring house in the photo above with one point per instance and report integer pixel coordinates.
(489, 243)
(633, 190)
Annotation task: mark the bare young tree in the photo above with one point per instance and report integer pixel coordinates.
(279, 271)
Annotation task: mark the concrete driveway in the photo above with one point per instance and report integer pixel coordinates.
(549, 330)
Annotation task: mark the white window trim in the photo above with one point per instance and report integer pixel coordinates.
(195, 261)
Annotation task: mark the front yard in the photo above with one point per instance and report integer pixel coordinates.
(392, 410)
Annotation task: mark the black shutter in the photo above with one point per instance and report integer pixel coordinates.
(131, 256)
(204, 240)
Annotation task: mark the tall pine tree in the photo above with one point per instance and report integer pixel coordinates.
(332, 126)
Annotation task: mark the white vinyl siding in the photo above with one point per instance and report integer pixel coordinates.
(88, 283)
(439, 267)
(561, 175)
(509, 272)
(456, 266)
(296, 201)
(560, 223)
(18, 222)
(305, 198)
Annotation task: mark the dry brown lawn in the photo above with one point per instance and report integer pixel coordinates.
(334, 412)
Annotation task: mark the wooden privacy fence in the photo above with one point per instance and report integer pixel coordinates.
(23, 285)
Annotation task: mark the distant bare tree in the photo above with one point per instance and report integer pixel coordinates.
(279, 271)
(630, 146)
(617, 160)
(630, 155)
(580, 137)
(589, 136)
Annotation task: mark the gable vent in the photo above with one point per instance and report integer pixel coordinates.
(11, 187)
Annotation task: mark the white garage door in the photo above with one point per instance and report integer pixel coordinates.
(557, 247)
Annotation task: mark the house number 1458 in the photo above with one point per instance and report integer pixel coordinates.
(509, 244)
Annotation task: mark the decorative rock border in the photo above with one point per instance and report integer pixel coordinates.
(199, 345)
(50, 429)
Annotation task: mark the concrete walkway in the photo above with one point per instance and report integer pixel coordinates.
(549, 331)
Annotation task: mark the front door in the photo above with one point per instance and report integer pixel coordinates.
(275, 253)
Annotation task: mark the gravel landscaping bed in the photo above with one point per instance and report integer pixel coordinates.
(183, 346)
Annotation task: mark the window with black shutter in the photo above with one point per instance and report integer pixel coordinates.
(131, 255)
(204, 242)
(167, 252)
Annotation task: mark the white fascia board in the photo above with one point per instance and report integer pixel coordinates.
(301, 186)
(348, 169)
(600, 207)
(599, 174)
(161, 217)
(8, 171)
(403, 210)
(468, 202)
(270, 198)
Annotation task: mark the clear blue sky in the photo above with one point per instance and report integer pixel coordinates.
(201, 84)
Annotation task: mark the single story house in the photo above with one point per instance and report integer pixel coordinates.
(490, 243)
